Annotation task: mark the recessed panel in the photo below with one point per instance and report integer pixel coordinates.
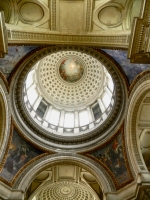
(145, 113)
(66, 171)
(110, 15)
(31, 12)
(71, 15)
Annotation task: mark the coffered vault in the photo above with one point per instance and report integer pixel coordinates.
(74, 112)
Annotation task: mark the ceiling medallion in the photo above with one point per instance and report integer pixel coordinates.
(71, 70)
(65, 190)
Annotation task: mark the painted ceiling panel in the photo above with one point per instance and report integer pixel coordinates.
(15, 54)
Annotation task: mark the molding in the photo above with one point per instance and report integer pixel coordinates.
(3, 36)
(140, 88)
(21, 35)
(139, 47)
(5, 119)
(29, 173)
(89, 12)
(33, 4)
(104, 5)
(6, 192)
(53, 15)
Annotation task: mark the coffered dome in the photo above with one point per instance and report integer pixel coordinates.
(69, 95)
(67, 191)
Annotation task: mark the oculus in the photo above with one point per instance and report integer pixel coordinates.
(59, 102)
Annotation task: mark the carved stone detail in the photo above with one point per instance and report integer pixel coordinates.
(133, 129)
(89, 12)
(48, 38)
(61, 158)
(139, 47)
(53, 15)
(3, 36)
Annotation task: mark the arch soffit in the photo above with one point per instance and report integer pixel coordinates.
(5, 117)
(138, 90)
(23, 181)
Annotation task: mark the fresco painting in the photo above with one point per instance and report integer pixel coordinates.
(20, 152)
(113, 157)
(15, 54)
(131, 70)
(71, 70)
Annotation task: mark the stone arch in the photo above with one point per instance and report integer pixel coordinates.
(5, 118)
(29, 174)
(139, 89)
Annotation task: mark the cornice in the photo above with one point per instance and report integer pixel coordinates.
(114, 40)
(139, 46)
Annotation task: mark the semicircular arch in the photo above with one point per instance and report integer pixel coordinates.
(139, 90)
(29, 174)
(5, 117)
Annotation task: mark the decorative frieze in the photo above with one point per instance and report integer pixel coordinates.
(17, 36)
(53, 15)
(89, 17)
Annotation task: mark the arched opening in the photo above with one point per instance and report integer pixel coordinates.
(138, 124)
(5, 119)
(64, 171)
(64, 181)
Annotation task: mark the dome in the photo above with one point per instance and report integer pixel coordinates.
(69, 93)
(68, 97)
